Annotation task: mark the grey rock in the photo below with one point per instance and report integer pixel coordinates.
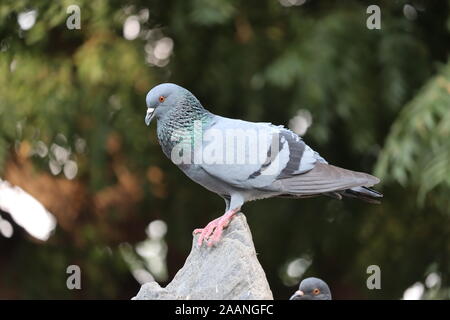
(227, 271)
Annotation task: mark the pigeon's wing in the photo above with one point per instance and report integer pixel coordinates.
(307, 173)
(284, 163)
(244, 154)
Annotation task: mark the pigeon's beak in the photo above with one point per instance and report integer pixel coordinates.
(298, 295)
(149, 115)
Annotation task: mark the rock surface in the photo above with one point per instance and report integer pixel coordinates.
(228, 271)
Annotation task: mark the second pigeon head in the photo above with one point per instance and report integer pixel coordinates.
(312, 289)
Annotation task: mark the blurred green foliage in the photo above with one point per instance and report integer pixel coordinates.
(417, 151)
(378, 98)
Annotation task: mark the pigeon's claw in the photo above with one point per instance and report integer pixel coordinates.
(213, 230)
(206, 231)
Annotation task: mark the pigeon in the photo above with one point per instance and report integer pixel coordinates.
(312, 289)
(243, 161)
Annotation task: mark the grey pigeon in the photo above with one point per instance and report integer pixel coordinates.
(312, 289)
(243, 161)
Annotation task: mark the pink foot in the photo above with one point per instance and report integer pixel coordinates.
(213, 230)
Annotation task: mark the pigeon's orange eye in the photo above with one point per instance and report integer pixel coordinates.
(162, 98)
(316, 291)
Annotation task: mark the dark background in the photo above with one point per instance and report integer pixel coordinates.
(378, 101)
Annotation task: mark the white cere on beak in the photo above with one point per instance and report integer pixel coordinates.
(148, 116)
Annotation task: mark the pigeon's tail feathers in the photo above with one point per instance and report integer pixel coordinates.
(330, 180)
(363, 193)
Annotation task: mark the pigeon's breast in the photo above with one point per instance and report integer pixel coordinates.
(213, 184)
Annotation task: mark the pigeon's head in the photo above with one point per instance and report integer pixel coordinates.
(312, 289)
(162, 98)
